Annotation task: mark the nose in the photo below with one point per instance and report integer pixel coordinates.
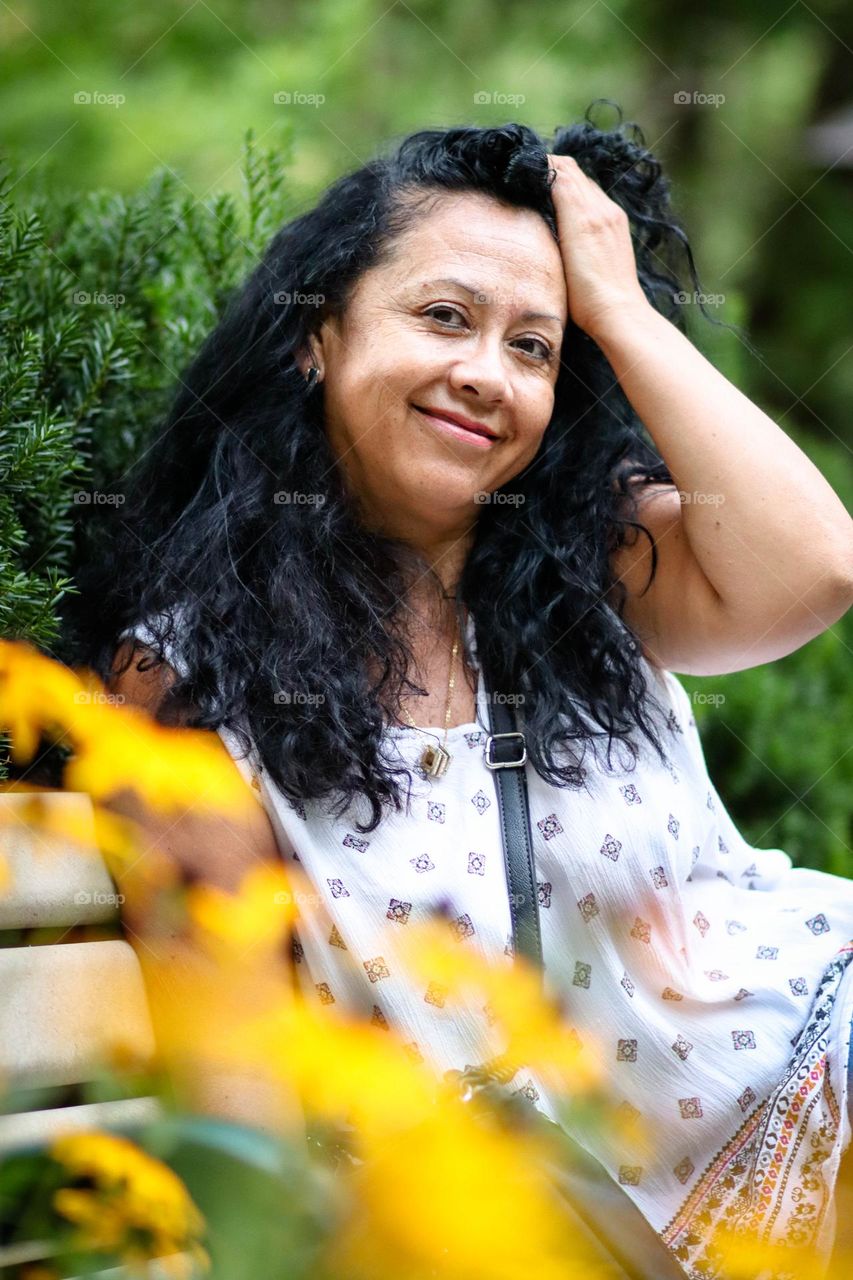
(482, 369)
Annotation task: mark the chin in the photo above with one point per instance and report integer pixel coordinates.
(456, 498)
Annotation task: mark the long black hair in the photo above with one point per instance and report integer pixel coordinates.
(281, 604)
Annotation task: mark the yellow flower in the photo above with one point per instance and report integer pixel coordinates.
(345, 1068)
(260, 913)
(101, 1226)
(743, 1256)
(133, 1193)
(115, 746)
(536, 1035)
(455, 1198)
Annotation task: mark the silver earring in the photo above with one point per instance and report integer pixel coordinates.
(313, 377)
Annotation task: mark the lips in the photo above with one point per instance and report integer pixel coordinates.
(457, 420)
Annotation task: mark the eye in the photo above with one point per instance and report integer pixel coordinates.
(443, 307)
(547, 352)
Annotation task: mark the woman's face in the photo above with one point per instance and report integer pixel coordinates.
(466, 319)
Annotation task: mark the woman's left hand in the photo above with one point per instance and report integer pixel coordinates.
(595, 245)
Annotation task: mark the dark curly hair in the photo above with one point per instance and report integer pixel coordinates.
(277, 597)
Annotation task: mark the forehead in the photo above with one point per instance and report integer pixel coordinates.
(508, 253)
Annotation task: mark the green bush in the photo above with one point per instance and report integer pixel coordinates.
(104, 300)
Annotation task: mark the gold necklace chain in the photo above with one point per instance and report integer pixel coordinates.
(435, 759)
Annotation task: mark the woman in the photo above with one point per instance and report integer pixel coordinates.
(459, 389)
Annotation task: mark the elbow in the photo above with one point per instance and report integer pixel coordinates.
(831, 595)
(844, 596)
(842, 560)
(841, 577)
(828, 594)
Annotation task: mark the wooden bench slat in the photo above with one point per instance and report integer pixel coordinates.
(53, 881)
(39, 1128)
(63, 1008)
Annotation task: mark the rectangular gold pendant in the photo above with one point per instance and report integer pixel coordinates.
(434, 761)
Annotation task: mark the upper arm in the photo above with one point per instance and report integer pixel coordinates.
(680, 619)
(206, 846)
(676, 616)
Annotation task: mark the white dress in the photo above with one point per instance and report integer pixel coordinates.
(708, 977)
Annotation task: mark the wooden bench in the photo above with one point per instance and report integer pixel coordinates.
(65, 1004)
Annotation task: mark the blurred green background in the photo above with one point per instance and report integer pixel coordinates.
(749, 109)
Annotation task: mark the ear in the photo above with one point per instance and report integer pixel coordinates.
(312, 352)
(304, 360)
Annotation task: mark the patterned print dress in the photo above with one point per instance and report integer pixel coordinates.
(707, 977)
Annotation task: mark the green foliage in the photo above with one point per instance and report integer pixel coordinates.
(283, 1215)
(776, 752)
(105, 298)
(36, 445)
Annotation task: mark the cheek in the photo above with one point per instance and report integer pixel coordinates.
(372, 420)
(362, 400)
(529, 439)
(385, 376)
(537, 418)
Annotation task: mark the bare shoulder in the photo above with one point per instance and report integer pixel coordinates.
(140, 678)
(207, 847)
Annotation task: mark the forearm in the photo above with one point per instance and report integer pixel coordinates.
(760, 518)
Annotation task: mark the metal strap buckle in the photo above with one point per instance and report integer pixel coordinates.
(504, 764)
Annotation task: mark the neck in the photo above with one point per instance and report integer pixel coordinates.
(439, 558)
(444, 546)
(433, 591)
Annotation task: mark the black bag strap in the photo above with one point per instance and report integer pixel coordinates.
(505, 753)
(630, 1248)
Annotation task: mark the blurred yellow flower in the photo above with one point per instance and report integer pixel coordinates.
(259, 914)
(344, 1068)
(115, 746)
(536, 1034)
(134, 1195)
(102, 1226)
(226, 997)
(742, 1255)
(453, 1195)
(439, 1187)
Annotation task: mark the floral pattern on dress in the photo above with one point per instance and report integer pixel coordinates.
(685, 956)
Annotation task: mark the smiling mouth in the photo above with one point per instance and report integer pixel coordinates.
(470, 434)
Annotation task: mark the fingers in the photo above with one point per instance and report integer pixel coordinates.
(577, 189)
(571, 176)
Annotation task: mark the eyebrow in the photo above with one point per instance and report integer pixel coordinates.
(470, 289)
